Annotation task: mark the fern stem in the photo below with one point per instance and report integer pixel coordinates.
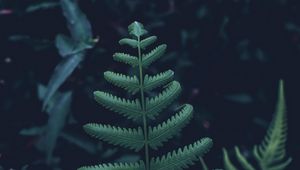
(143, 105)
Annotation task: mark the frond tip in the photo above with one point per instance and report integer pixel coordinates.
(182, 158)
(137, 29)
(126, 137)
(271, 153)
(116, 166)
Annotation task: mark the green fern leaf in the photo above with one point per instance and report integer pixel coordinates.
(153, 55)
(128, 83)
(131, 42)
(128, 108)
(271, 153)
(182, 158)
(136, 29)
(227, 162)
(126, 137)
(172, 126)
(147, 41)
(156, 104)
(152, 82)
(126, 58)
(116, 166)
(243, 161)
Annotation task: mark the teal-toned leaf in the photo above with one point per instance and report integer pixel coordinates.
(116, 166)
(62, 71)
(152, 82)
(182, 158)
(76, 139)
(131, 42)
(57, 118)
(67, 47)
(41, 6)
(136, 29)
(129, 83)
(128, 108)
(78, 23)
(173, 126)
(126, 58)
(153, 55)
(126, 137)
(147, 41)
(34, 131)
(156, 104)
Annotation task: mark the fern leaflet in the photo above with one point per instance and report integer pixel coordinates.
(129, 83)
(116, 166)
(152, 82)
(243, 161)
(147, 41)
(154, 55)
(227, 162)
(129, 108)
(172, 126)
(128, 41)
(126, 137)
(156, 104)
(126, 58)
(182, 158)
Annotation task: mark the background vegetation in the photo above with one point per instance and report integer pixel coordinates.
(228, 56)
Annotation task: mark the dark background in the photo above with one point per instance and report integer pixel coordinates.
(228, 55)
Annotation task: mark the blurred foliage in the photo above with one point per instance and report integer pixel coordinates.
(236, 49)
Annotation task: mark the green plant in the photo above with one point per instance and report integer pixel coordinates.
(57, 103)
(144, 109)
(271, 153)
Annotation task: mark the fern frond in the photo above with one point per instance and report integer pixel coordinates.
(153, 55)
(128, 41)
(128, 108)
(126, 137)
(147, 41)
(271, 153)
(126, 58)
(227, 162)
(116, 166)
(156, 104)
(129, 83)
(166, 130)
(243, 161)
(152, 82)
(182, 158)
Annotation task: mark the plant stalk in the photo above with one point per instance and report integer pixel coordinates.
(143, 106)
